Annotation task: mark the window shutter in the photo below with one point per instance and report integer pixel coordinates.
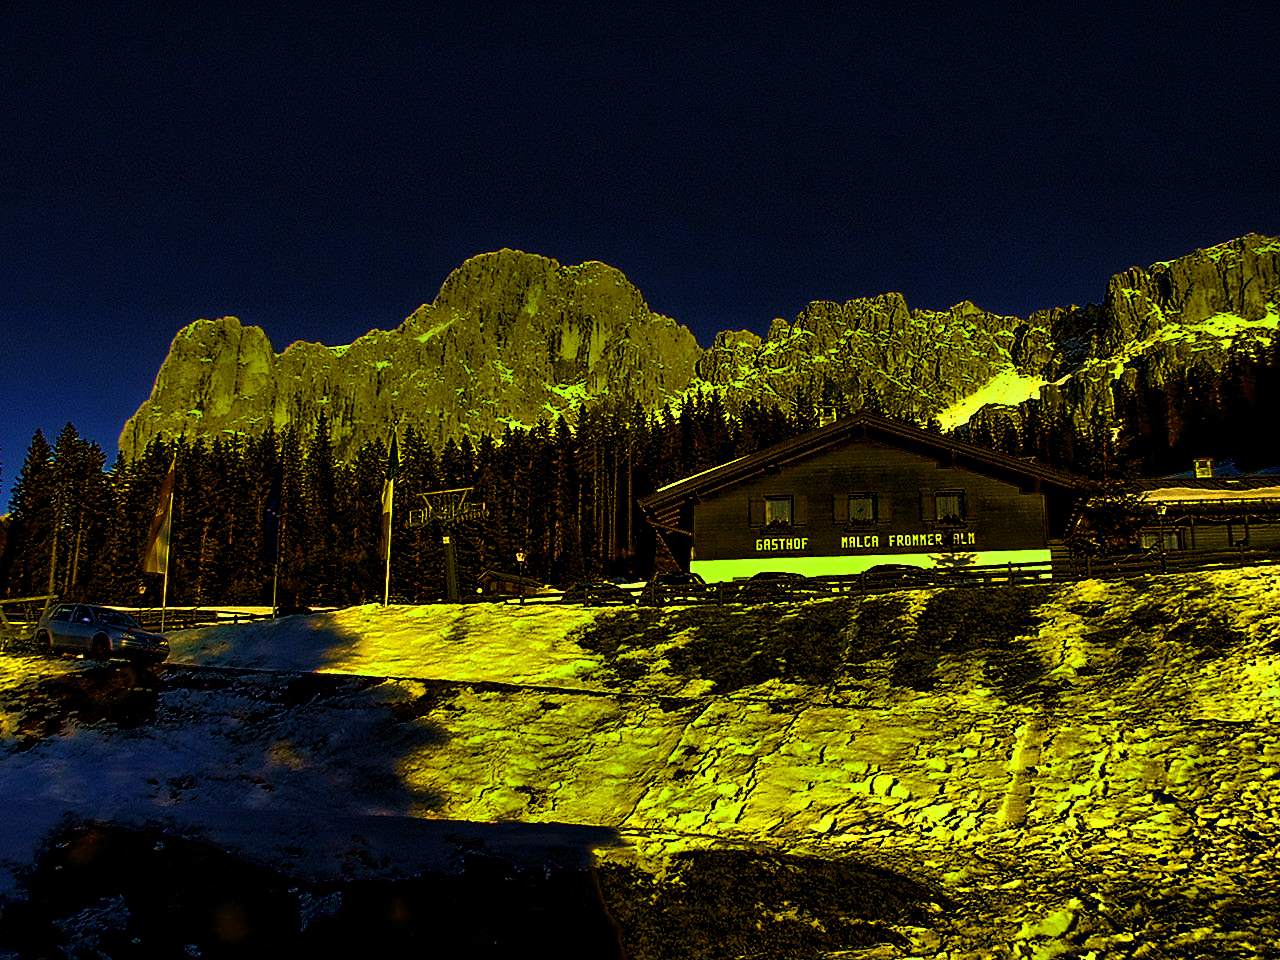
(968, 505)
(800, 510)
(884, 507)
(928, 506)
(755, 512)
(840, 508)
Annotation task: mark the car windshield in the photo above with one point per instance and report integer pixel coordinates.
(115, 618)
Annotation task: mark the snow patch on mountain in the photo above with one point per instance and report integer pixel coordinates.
(1007, 388)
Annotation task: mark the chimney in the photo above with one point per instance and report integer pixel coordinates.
(1204, 468)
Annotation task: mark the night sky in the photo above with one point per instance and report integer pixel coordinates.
(317, 169)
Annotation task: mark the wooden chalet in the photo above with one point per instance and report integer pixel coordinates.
(1211, 510)
(860, 493)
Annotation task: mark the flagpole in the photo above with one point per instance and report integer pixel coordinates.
(391, 503)
(388, 506)
(164, 590)
(157, 558)
(275, 577)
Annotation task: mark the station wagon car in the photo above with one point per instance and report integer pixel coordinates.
(99, 633)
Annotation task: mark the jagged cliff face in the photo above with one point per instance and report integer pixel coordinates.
(921, 363)
(512, 337)
(915, 362)
(1174, 316)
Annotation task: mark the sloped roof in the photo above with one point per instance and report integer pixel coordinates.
(1225, 469)
(664, 504)
(1251, 481)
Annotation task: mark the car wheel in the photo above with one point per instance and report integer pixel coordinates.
(100, 649)
(44, 643)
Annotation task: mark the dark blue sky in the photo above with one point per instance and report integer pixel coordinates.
(318, 169)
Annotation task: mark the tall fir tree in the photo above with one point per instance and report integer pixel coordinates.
(29, 546)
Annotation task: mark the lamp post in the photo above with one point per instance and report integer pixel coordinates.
(520, 560)
(1161, 509)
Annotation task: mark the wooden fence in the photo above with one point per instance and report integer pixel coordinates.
(19, 616)
(883, 581)
(184, 619)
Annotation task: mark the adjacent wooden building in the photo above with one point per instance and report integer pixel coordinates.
(1208, 513)
(859, 493)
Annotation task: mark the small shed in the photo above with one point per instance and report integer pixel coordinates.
(499, 583)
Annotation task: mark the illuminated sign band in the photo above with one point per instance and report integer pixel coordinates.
(872, 541)
(783, 543)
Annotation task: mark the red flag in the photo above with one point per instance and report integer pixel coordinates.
(157, 560)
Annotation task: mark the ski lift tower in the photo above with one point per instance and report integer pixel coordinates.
(448, 508)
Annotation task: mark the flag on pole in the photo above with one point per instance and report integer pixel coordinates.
(388, 496)
(157, 559)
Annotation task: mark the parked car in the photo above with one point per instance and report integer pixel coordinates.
(673, 585)
(98, 632)
(894, 573)
(772, 585)
(678, 579)
(596, 592)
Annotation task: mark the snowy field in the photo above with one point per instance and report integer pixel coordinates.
(1086, 767)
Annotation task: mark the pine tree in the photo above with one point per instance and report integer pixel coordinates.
(417, 553)
(115, 579)
(253, 578)
(360, 501)
(295, 535)
(321, 478)
(29, 545)
(515, 506)
(135, 493)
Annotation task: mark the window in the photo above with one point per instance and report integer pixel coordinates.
(862, 508)
(950, 505)
(777, 510)
(1152, 541)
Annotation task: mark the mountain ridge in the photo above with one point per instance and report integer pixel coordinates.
(512, 337)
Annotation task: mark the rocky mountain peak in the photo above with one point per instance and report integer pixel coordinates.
(510, 338)
(513, 336)
(1238, 278)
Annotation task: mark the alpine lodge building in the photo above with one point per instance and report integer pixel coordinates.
(859, 493)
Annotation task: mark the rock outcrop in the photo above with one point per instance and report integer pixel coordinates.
(1155, 325)
(512, 337)
(913, 362)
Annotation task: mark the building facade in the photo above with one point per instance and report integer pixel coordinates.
(1206, 513)
(860, 493)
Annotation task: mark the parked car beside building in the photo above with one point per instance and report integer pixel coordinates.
(593, 593)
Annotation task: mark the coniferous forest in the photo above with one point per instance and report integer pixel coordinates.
(564, 496)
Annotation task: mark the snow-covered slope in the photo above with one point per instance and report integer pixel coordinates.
(1044, 755)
